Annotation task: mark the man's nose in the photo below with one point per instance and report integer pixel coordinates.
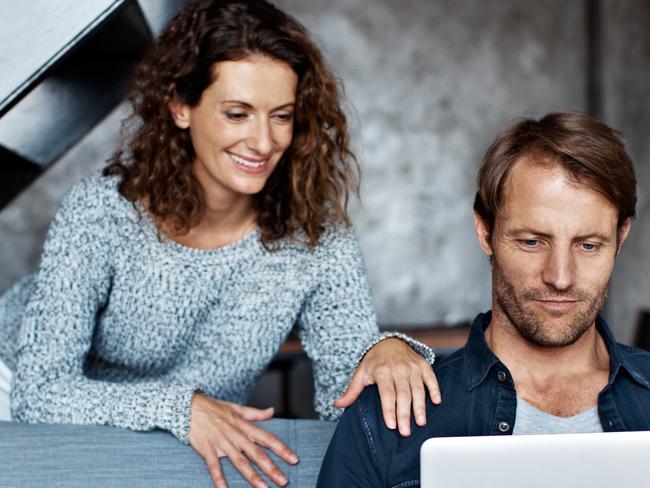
(261, 139)
(559, 269)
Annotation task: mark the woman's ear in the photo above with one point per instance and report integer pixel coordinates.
(483, 232)
(180, 113)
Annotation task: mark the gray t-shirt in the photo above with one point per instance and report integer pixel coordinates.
(531, 420)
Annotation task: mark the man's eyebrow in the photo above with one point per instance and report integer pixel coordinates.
(248, 105)
(594, 235)
(529, 230)
(584, 237)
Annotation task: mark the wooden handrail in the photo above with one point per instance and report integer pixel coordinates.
(435, 337)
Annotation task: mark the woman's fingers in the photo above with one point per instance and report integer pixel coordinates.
(352, 392)
(401, 376)
(272, 442)
(423, 377)
(244, 439)
(243, 465)
(218, 428)
(214, 468)
(253, 414)
(432, 383)
(403, 389)
(387, 396)
(257, 455)
(419, 408)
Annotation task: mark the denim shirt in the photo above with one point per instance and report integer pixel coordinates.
(478, 399)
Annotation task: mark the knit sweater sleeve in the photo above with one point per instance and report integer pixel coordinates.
(73, 284)
(338, 324)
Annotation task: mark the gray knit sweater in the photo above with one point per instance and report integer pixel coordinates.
(120, 328)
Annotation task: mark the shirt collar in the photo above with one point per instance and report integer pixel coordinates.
(618, 357)
(479, 359)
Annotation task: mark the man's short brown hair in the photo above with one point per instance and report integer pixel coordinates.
(592, 153)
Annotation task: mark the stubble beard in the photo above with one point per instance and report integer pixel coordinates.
(531, 324)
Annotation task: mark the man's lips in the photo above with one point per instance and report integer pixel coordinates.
(557, 304)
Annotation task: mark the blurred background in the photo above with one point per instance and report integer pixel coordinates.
(429, 83)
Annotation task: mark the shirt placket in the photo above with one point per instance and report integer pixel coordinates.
(506, 407)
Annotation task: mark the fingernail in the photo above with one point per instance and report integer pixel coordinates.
(261, 484)
(282, 480)
(421, 420)
(293, 459)
(391, 424)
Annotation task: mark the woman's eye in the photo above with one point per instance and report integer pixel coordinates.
(236, 116)
(284, 117)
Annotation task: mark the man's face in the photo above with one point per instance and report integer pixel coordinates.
(553, 248)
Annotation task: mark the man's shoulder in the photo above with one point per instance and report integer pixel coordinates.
(449, 368)
(450, 372)
(454, 360)
(634, 351)
(638, 358)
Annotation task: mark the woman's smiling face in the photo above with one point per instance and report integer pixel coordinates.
(242, 125)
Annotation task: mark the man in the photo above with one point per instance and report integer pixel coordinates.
(554, 206)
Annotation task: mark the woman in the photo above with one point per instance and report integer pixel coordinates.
(168, 282)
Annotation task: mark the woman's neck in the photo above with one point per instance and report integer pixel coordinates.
(226, 214)
(227, 218)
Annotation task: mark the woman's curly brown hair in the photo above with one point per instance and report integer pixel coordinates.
(311, 185)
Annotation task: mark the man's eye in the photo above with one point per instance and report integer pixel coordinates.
(589, 246)
(529, 242)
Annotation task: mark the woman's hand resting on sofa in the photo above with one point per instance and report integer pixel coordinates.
(219, 428)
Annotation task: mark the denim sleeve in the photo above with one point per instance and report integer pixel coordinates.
(351, 458)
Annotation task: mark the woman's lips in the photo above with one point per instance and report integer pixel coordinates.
(248, 165)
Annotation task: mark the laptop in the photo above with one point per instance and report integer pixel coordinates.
(616, 459)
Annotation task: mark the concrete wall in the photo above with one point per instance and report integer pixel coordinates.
(432, 82)
(429, 84)
(626, 106)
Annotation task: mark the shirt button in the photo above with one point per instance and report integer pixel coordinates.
(504, 426)
(502, 376)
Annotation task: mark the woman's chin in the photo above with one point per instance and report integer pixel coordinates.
(249, 189)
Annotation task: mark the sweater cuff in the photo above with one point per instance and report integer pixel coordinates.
(422, 349)
(174, 411)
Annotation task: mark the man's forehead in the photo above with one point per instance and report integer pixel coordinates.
(545, 196)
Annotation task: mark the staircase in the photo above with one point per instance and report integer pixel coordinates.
(65, 64)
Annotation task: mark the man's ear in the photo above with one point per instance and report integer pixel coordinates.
(623, 232)
(180, 113)
(483, 232)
